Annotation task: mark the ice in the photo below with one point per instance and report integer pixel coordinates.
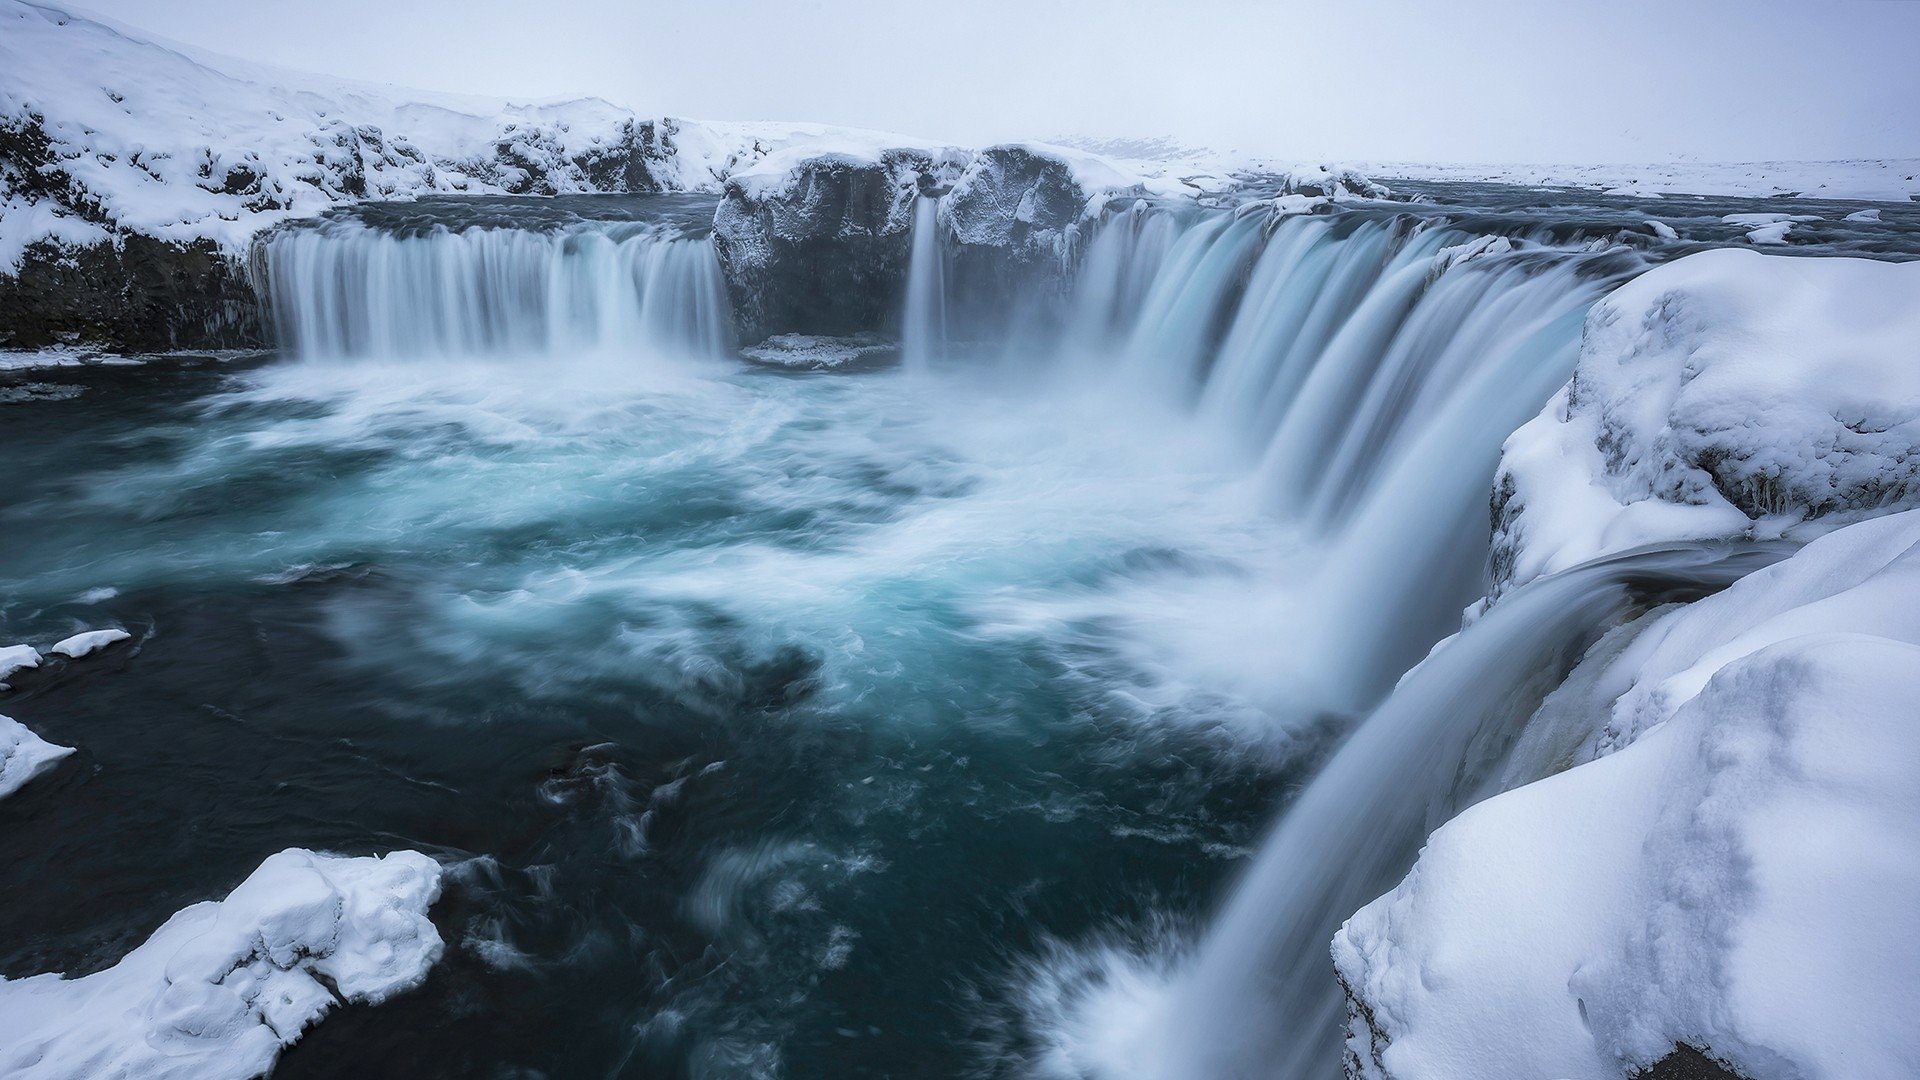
(1864, 215)
(91, 641)
(1727, 394)
(24, 755)
(223, 986)
(1737, 875)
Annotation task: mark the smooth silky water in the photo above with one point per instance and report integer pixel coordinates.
(911, 722)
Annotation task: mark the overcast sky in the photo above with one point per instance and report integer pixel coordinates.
(1481, 81)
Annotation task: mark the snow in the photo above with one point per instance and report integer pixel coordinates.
(1734, 872)
(1726, 394)
(80, 645)
(24, 755)
(1768, 228)
(17, 658)
(1864, 215)
(223, 986)
(1867, 180)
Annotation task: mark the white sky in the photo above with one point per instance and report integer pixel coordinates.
(1481, 81)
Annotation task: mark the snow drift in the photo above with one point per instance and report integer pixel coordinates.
(223, 986)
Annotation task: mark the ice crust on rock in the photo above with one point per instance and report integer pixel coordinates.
(87, 643)
(223, 986)
(1726, 394)
(1734, 872)
(24, 755)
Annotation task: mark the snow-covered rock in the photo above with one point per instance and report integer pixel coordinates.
(24, 755)
(223, 986)
(1734, 873)
(91, 641)
(816, 242)
(1726, 394)
(15, 658)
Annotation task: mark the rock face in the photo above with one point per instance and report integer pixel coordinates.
(140, 295)
(1013, 222)
(819, 244)
(1726, 394)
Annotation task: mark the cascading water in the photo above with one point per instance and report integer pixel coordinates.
(718, 690)
(923, 325)
(344, 289)
(1370, 364)
(1258, 1001)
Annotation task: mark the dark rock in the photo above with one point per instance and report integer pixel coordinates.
(823, 250)
(1013, 223)
(141, 295)
(1687, 1063)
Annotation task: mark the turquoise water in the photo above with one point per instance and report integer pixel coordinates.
(769, 723)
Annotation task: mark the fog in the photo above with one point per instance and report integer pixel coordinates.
(1570, 81)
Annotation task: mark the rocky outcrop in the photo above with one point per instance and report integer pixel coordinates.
(819, 244)
(1014, 219)
(135, 294)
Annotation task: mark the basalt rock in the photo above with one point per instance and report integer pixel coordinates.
(140, 295)
(821, 248)
(821, 245)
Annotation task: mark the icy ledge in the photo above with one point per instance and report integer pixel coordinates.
(24, 755)
(219, 990)
(1737, 878)
(1726, 394)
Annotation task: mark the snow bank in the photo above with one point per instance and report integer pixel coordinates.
(24, 755)
(1738, 877)
(91, 641)
(1725, 394)
(223, 986)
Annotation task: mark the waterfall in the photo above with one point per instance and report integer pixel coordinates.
(343, 289)
(923, 325)
(1368, 364)
(1260, 1000)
